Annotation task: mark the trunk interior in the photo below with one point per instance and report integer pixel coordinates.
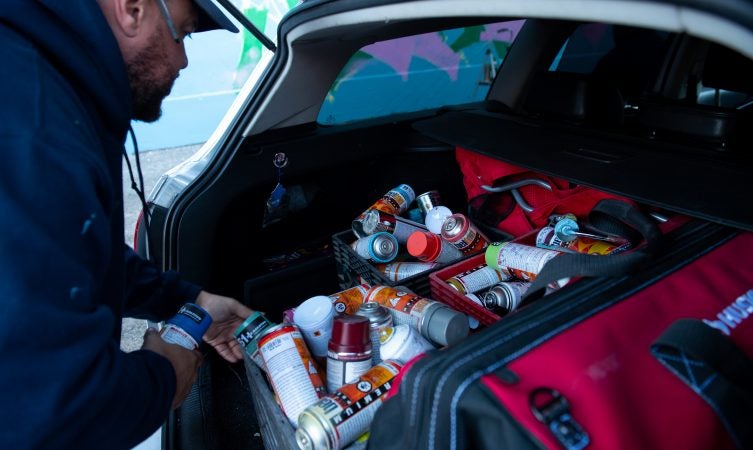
(276, 266)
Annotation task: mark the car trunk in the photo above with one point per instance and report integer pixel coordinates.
(681, 160)
(276, 266)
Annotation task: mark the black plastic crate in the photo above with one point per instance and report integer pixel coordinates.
(276, 431)
(350, 266)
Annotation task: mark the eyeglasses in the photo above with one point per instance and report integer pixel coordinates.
(169, 20)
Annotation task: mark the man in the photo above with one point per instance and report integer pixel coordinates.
(72, 75)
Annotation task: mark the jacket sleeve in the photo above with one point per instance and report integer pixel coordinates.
(65, 381)
(153, 294)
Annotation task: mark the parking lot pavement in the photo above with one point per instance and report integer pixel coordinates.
(153, 164)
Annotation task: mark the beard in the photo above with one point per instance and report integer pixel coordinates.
(149, 82)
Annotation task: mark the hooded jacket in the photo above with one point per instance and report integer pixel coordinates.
(67, 277)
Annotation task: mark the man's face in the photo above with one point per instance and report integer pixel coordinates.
(153, 68)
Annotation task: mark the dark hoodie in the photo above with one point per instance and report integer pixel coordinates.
(67, 277)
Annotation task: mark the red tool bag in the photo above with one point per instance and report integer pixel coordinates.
(660, 359)
(515, 200)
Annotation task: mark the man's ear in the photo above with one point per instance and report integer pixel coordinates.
(129, 15)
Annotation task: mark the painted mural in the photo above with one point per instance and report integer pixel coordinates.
(446, 67)
(265, 15)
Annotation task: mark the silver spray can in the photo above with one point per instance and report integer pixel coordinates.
(435, 321)
(396, 202)
(460, 232)
(396, 271)
(379, 319)
(375, 221)
(402, 343)
(341, 417)
(478, 278)
(505, 297)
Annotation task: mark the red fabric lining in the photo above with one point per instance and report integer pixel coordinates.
(479, 170)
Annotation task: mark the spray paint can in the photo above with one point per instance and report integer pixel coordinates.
(435, 321)
(478, 278)
(247, 335)
(395, 202)
(379, 247)
(314, 318)
(291, 370)
(548, 238)
(349, 300)
(428, 200)
(398, 271)
(375, 221)
(339, 418)
(523, 261)
(460, 232)
(505, 297)
(435, 218)
(402, 343)
(379, 319)
(428, 247)
(349, 350)
(187, 327)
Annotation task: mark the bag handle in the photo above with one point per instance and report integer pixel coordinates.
(612, 217)
(713, 367)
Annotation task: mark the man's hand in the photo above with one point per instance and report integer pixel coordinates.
(185, 363)
(227, 315)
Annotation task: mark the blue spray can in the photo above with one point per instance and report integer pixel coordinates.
(187, 327)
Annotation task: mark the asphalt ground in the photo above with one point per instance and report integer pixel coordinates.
(153, 164)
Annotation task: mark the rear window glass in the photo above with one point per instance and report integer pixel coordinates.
(420, 72)
(630, 57)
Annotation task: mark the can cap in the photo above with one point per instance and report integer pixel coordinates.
(242, 327)
(424, 246)
(376, 313)
(435, 217)
(305, 442)
(491, 257)
(314, 312)
(446, 326)
(350, 334)
(193, 319)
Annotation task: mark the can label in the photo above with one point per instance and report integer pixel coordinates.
(397, 226)
(478, 278)
(349, 300)
(248, 334)
(342, 371)
(547, 238)
(395, 202)
(174, 334)
(340, 418)
(405, 307)
(291, 369)
(461, 233)
(402, 270)
(523, 261)
(471, 242)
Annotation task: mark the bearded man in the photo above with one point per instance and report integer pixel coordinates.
(73, 75)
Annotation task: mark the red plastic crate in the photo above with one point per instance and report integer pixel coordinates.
(445, 293)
